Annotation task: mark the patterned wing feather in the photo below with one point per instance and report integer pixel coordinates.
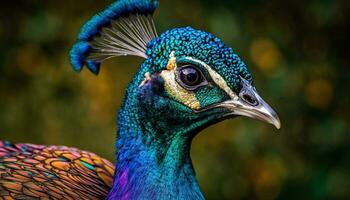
(39, 172)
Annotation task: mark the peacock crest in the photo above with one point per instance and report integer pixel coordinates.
(124, 28)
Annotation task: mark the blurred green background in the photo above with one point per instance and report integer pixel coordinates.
(297, 50)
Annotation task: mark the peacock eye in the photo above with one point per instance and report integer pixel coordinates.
(190, 77)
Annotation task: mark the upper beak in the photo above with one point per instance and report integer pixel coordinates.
(261, 111)
(254, 107)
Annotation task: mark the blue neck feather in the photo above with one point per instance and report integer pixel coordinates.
(150, 166)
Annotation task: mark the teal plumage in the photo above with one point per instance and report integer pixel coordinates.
(188, 81)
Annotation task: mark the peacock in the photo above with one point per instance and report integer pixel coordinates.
(188, 81)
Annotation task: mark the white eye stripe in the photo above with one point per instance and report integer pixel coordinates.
(216, 77)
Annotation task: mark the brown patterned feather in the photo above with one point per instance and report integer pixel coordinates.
(52, 172)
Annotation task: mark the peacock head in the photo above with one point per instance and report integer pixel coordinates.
(192, 79)
(189, 80)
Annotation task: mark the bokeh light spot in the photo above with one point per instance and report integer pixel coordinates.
(29, 59)
(265, 54)
(319, 93)
(269, 175)
(225, 24)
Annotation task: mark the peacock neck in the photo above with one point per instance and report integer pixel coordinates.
(151, 163)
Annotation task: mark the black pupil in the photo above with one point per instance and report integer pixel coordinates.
(190, 76)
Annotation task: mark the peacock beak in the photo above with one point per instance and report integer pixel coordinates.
(248, 103)
(260, 110)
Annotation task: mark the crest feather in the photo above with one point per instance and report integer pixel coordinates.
(124, 28)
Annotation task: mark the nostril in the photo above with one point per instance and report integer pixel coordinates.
(249, 99)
